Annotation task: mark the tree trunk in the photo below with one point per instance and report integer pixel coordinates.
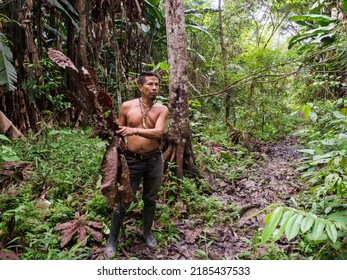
(180, 146)
(224, 61)
(82, 9)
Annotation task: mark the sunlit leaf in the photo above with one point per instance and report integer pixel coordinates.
(307, 223)
(321, 20)
(163, 66)
(284, 221)
(343, 112)
(338, 115)
(293, 226)
(332, 232)
(194, 27)
(271, 223)
(340, 217)
(306, 110)
(317, 230)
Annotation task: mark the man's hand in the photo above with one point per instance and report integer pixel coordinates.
(127, 131)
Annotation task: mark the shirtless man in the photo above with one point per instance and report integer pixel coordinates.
(142, 121)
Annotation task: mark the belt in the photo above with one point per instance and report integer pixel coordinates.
(129, 154)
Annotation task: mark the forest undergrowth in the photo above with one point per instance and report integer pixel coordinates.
(54, 178)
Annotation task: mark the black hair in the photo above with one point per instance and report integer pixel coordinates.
(142, 78)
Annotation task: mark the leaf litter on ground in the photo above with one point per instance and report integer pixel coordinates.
(273, 179)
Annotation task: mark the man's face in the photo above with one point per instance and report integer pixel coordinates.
(150, 88)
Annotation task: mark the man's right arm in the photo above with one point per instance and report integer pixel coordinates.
(122, 115)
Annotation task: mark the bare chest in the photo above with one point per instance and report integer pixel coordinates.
(137, 117)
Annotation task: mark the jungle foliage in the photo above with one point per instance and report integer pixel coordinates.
(284, 70)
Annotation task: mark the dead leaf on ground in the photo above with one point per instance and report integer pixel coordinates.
(191, 235)
(80, 227)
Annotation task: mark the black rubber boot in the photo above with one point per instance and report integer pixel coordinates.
(116, 225)
(147, 222)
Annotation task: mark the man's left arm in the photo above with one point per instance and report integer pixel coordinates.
(158, 130)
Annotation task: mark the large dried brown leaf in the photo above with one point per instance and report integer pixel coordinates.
(82, 237)
(66, 236)
(81, 227)
(115, 185)
(109, 174)
(97, 236)
(95, 225)
(65, 225)
(85, 95)
(125, 191)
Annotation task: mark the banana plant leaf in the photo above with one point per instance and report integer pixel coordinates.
(8, 74)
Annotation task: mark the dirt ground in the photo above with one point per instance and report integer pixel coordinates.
(274, 180)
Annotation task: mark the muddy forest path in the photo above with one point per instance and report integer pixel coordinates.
(272, 180)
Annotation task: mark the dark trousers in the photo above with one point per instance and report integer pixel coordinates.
(151, 171)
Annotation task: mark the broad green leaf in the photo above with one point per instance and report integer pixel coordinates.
(198, 54)
(321, 20)
(322, 237)
(339, 217)
(10, 158)
(306, 110)
(331, 231)
(343, 112)
(296, 39)
(342, 141)
(314, 35)
(328, 209)
(337, 245)
(153, 2)
(317, 230)
(307, 223)
(163, 66)
(8, 74)
(194, 27)
(338, 115)
(285, 219)
(272, 220)
(4, 138)
(70, 10)
(344, 5)
(293, 226)
(153, 14)
(313, 116)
